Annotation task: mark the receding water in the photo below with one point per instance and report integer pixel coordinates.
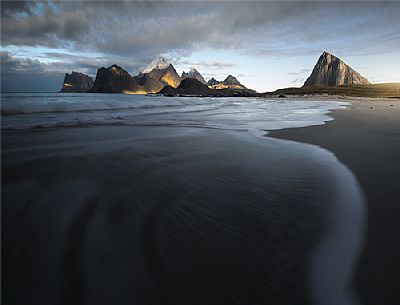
(157, 200)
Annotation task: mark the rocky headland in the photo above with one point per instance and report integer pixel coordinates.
(76, 82)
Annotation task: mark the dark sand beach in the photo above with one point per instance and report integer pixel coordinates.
(366, 138)
(153, 215)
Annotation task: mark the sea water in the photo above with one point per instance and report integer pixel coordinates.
(35, 110)
(156, 200)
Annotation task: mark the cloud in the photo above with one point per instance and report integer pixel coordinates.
(298, 81)
(90, 64)
(300, 72)
(146, 29)
(213, 65)
(42, 25)
(27, 75)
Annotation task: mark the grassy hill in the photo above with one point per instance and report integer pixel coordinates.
(373, 90)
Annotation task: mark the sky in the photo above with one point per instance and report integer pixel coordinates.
(267, 45)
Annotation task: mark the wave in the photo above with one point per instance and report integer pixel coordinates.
(27, 111)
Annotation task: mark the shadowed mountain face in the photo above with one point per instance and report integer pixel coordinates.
(164, 76)
(332, 71)
(192, 86)
(114, 79)
(77, 82)
(212, 82)
(231, 80)
(193, 73)
(188, 86)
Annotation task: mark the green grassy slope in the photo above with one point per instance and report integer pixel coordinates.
(372, 90)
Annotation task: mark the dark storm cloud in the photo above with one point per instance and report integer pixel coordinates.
(41, 24)
(10, 63)
(11, 7)
(26, 75)
(147, 28)
(150, 28)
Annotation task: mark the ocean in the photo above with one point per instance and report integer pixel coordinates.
(117, 199)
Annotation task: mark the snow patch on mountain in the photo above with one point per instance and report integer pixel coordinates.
(159, 63)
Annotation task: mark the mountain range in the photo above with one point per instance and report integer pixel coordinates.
(157, 75)
(115, 79)
(194, 87)
(161, 77)
(230, 82)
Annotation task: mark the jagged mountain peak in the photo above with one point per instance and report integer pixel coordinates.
(159, 63)
(116, 69)
(212, 81)
(193, 73)
(231, 80)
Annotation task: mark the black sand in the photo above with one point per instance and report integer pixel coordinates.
(366, 138)
(155, 215)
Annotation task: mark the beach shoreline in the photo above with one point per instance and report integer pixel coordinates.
(366, 138)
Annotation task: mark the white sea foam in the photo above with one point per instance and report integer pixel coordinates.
(333, 261)
(24, 111)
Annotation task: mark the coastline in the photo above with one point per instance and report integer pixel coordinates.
(366, 137)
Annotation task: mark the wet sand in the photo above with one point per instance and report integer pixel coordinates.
(155, 215)
(366, 138)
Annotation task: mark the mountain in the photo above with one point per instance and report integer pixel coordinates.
(193, 73)
(147, 84)
(162, 75)
(114, 79)
(230, 82)
(77, 82)
(159, 63)
(332, 71)
(212, 82)
(188, 86)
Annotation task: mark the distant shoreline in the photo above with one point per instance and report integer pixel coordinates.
(387, 90)
(381, 90)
